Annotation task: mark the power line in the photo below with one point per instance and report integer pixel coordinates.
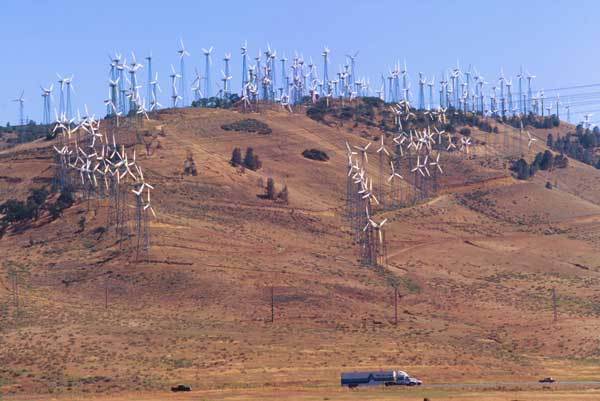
(571, 87)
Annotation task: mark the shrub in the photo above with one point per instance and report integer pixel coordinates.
(465, 131)
(315, 113)
(372, 101)
(283, 195)
(64, 201)
(36, 200)
(248, 125)
(189, 165)
(315, 154)
(270, 190)
(561, 161)
(16, 211)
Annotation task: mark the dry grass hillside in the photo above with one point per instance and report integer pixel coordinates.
(475, 266)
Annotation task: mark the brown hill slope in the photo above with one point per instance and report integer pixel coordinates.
(475, 268)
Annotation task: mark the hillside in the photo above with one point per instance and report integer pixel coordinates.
(475, 265)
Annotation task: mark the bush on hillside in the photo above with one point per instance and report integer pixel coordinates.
(315, 154)
(248, 125)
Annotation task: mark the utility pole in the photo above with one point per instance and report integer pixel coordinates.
(554, 304)
(395, 306)
(15, 289)
(272, 305)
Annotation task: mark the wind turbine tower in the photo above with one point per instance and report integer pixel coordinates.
(182, 82)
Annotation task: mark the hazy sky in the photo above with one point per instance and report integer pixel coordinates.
(556, 40)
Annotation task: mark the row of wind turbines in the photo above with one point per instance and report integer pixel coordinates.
(269, 77)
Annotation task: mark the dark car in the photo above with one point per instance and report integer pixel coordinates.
(181, 387)
(547, 380)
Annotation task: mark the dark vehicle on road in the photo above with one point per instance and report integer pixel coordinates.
(547, 380)
(387, 378)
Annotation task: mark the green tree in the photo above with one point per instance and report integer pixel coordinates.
(547, 161)
(251, 160)
(522, 169)
(236, 157)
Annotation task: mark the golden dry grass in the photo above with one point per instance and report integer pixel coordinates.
(475, 267)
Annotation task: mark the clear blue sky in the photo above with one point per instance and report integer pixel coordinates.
(556, 40)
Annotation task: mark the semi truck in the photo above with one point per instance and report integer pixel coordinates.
(387, 378)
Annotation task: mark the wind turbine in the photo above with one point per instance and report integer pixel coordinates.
(244, 50)
(404, 73)
(174, 95)
(113, 96)
(531, 140)
(61, 103)
(363, 152)
(133, 68)
(430, 84)
(21, 101)
(353, 75)
(208, 62)
(325, 54)
(183, 89)
(154, 105)
(520, 78)
(150, 75)
(422, 82)
(47, 96)
(196, 86)
(529, 95)
(226, 74)
(68, 84)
